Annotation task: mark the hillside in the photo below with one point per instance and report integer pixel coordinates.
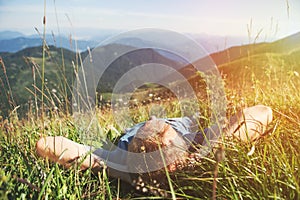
(240, 62)
(283, 46)
(23, 68)
(247, 61)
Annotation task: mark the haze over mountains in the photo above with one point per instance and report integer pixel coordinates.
(12, 41)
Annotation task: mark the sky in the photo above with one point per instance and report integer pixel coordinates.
(268, 18)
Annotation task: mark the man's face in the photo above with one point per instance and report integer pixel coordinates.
(157, 130)
(157, 139)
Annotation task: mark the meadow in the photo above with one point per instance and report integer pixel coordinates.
(271, 171)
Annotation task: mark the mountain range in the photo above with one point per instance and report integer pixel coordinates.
(13, 41)
(23, 68)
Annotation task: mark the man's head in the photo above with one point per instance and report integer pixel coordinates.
(157, 141)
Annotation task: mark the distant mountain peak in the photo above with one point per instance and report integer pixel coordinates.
(5, 35)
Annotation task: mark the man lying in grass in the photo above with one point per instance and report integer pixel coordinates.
(169, 143)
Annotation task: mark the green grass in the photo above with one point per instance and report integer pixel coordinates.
(271, 172)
